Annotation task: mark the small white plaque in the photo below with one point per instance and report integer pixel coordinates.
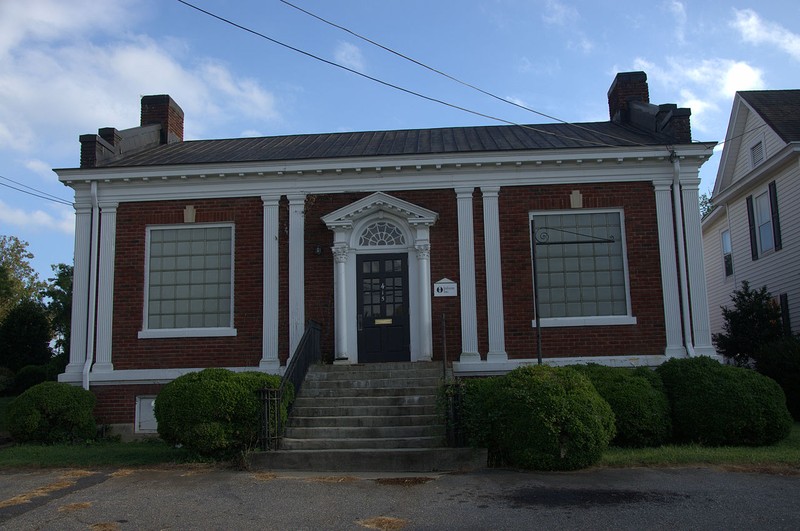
(445, 288)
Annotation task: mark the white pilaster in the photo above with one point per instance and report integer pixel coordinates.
(701, 327)
(269, 337)
(340, 256)
(105, 291)
(669, 271)
(297, 312)
(80, 289)
(494, 275)
(466, 262)
(425, 315)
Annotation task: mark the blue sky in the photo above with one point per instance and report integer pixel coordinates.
(70, 67)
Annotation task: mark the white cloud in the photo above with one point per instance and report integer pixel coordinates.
(679, 11)
(61, 219)
(349, 55)
(559, 14)
(582, 44)
(516, 101)
(40, 167)
(755, 30)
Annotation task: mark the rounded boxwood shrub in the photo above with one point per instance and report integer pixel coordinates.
(28, 376)
(717, 405)
(539, 417)
(214, 412)
(52, 412)
(640, 407)
(780, 360)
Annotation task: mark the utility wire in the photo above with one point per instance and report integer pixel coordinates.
(448, 76)
(36, 193)
(392, 85)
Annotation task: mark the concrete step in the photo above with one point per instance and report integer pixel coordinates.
(389, 366)
(361, 411)
(359, 383)
(288, 443)
(360, 401)
(368, 391)
(373, 460)
(322, 373)
(365, 432)
(320, 421)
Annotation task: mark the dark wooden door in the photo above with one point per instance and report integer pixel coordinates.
(383, 321)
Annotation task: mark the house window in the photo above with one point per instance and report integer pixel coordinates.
(727, 256)
(764, 222)
(189, 281)
(581, 268)
(757, 153)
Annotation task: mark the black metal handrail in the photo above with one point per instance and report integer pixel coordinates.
(306, 354)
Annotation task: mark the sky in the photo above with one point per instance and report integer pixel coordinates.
(69, 67)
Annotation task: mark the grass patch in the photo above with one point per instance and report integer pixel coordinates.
(101, 454)
(782, 455)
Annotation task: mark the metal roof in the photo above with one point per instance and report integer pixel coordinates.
(448, 140)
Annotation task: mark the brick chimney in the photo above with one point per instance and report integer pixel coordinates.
(627, 87)
(161, 109)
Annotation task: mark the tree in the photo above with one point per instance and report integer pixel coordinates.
(706, 205)
(754, 320)
(25, 336)
(59, 307)
(18, 280)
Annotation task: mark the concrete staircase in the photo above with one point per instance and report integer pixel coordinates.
(374, 417)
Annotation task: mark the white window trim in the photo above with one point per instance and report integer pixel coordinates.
(595, 320)
(756, 211)
(158, 333)
(722, 233)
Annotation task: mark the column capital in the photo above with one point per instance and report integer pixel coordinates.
(463, 191)
(340, 253)
(110, 206)
(271, 199)
(489, 191)
(662, 186)
(296, 198)
(423, 251)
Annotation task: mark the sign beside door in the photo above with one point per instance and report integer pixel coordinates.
(445, 288)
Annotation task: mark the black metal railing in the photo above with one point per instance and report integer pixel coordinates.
(306, 354)
(453, 403)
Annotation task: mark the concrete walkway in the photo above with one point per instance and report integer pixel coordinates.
(215, 498)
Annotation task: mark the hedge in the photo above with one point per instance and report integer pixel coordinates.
(52, 412)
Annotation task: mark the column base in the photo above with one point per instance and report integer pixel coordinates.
(675, 352)
(470, 357)
(103, 367)
(499, 356)
(270, 366)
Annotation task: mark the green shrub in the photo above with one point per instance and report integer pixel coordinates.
(640, 407)
(541, 418)
(52, 412)
(214, 412)
(780, 360)
(718, 405)
(6, 381)
(28, 376)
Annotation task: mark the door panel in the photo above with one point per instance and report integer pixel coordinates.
(383, 321)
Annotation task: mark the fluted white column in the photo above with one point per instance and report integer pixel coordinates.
(669, 271)
(466, 264)
(269, 337)
(494, 274)
(80, 289)
(340, 256)
(425, 315)
(698, 296)
(297, 311)
(105, 291)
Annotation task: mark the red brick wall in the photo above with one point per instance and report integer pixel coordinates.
(129, 352)
(116, 404)
(641, 232)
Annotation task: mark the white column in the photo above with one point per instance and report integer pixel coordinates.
(701, 327)
(269, 336)
(297, 312)
(466, 263)
(425, 316)
(340, 256)
(494, 275)
(80, 289)
(669, 271)
(105, 291)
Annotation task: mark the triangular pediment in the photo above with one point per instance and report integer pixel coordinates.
(379, 202)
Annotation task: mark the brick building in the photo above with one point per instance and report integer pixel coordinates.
(215, 253)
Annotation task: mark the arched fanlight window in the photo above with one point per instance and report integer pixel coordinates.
(381, 233)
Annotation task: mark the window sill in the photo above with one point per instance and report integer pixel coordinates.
(610, 320)
(187, 332)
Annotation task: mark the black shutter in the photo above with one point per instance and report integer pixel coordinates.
(776, 223)
(751, 221)
(787, 324)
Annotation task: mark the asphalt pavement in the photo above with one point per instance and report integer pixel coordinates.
(205, 497)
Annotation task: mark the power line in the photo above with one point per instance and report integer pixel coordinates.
(392, 85)
(35, 193)
(448, 76)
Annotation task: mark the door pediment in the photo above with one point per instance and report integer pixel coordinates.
(346, 216)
